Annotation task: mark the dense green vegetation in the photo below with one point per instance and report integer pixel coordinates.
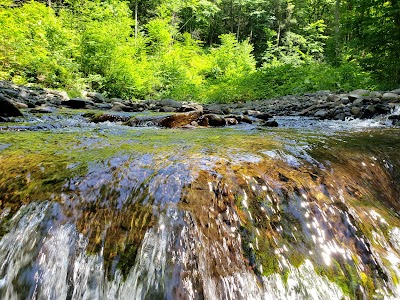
(218, 50)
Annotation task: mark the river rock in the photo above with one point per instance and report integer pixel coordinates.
(321, 114)
(369, 111)
(396, 91)
(77, 103)
(243, 119)
(358, 94)
(7, 108)
(180, 119)
(333, 98)
(263, 116)
(216, 109)
(375, 94)
(42, 110)
(358, 102)
(96, 97)
(167, 109)
(271, 123)
(170, 103)
(390, 97)
(212, 120)
(103, 106)
(231, 121)
(190, 107)
(340, 116)
(11, 92)
(108, 118)
(20, 105)
(355, 111)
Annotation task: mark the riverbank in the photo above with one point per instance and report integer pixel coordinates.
(15, 101)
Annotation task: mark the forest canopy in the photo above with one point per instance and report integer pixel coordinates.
(202, 50)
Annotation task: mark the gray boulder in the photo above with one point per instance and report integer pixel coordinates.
(321, 114)
(96, 97)
(170, 103)
(355, 111)
(396, 91)
(390, 96)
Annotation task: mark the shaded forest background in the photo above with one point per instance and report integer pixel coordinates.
(202, 50)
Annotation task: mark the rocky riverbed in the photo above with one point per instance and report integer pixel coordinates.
(15, 101)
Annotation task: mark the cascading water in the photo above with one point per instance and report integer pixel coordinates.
(108, 212)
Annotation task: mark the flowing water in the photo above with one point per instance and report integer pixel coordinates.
(309, 210)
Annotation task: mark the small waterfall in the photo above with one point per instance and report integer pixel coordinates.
(314, 218)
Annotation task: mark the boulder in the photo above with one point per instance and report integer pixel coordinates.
(355, 111)
(190, 107)
(263, 116)
(96, 97)
(214, 109)
(252, 112)
(382, 108)
(321, 114)
(145, 121)
(244, 119)
(375, 95)
(10, 92)
(358, 94)
(390, 97)
(167, 109)
(212, 120)
(396, 91)
(20, 105)
(271, 123)
(76, 103)
(358, 102)
(170, 103)
(340, 116)
(231, 121)
(107, 117)
(8, 109)
(369, 111)
(180, 119)
(103, 106)
(333, 98)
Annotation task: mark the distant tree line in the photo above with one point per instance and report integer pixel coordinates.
(217, 50)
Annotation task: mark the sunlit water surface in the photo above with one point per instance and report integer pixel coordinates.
(309, 210)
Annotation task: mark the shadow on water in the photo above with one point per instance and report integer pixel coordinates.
(108, 212)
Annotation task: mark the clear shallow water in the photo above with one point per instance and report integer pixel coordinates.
(104, 211)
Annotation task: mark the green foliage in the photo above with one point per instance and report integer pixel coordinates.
(35, 47)
(232, 58)
(297, 48)
(201, 50)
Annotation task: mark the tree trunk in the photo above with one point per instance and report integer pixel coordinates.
(136, 19)
(337, 32)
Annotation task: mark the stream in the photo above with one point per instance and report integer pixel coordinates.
(308, 210)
